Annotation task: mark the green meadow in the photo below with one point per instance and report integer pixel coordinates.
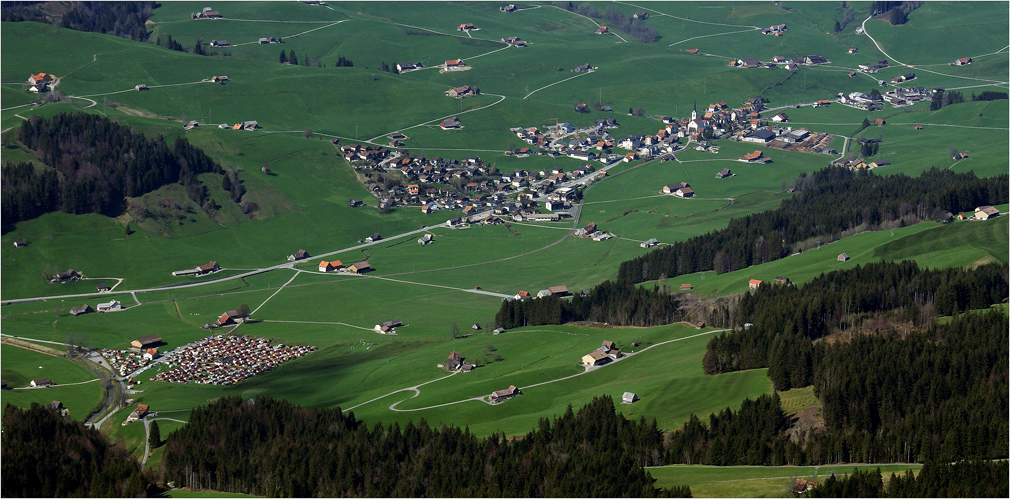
(20, 366)
(955, 244)
(757, 481)
(303, 200)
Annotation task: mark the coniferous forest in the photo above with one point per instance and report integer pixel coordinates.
(47, 455)
(273, 448)
(934, 395)
(970, 478)
(96, 164)
(830, 204)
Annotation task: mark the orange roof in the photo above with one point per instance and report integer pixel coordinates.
(237, 126)
(152, 351)
(337, 263)
(753, 155)
(453, 62)
(524, 293)
(692, 51)
(224, 318)
(39, 77)
(603, 28)
(142, 408)
(323, 263)
(755, 281)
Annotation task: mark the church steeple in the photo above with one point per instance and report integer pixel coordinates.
(694, 113)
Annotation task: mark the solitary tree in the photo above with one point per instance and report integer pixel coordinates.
(307, 133)
(454, 329)
(154, 438)
(292, 58)
(284, 57)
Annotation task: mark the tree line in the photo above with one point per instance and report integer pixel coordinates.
(935, 394)
(831, 204)
(277, 449)
(96, 164)
(620, 304)
(123, 19)
(47, 455)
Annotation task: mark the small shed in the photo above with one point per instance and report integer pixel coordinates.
(628, 398)
(843, 257)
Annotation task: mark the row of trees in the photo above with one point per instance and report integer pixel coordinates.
(832, 203)
(274, 448)
(973, 478)
(938, 394)
(621, 304)
(97, 164)
(47, 455)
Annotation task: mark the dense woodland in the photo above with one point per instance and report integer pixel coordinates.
(97, 163)
(273, 448)
(124, 19)
(959, 479)
(890, 296)
(832, 203)
(47, 455)
(935, 395)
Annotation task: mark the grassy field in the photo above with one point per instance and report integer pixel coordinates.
(956, 244)
(757, 481)
(20, 366)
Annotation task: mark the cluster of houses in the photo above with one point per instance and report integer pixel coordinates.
(981, 213)
(128, 361)
(455, 65)
(461, 92)
(872, 68)
(110, 306)
(776, 30)
(39, 83)
(408, 66)
(139, 413)
(903, 78)
(245, 125)
(338, 266)
(679, 189)
(456, 363)
(779, 280)
(515, 41)
(859, 163)
(388, 327)
(206, 13)
(606, 353)
(67, 276)
(41, 383)
(225, 360)
(207, 268)
(790, 63)
(501, 395)
(896, 97)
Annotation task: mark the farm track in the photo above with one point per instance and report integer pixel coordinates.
(417, 391)
(889, 56)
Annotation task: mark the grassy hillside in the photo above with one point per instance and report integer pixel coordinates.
(303, 201)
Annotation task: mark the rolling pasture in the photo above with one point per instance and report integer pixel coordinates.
(303, 200)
